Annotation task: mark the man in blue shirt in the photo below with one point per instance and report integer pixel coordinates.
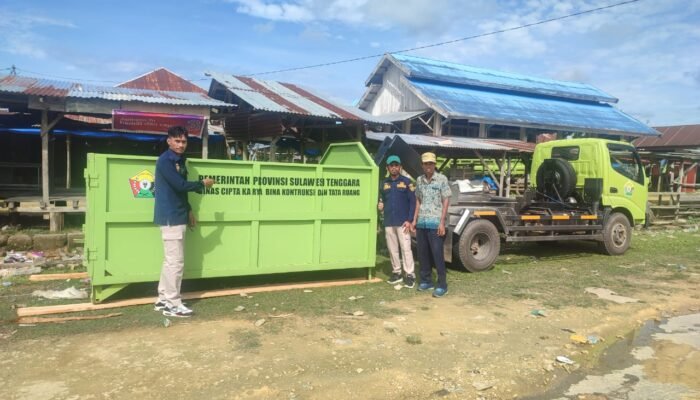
(398, 202)
(173, 213)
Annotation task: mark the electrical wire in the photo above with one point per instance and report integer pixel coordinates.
(349, 60)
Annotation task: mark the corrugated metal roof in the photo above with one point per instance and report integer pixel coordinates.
(457, 142)
(446, 72)
(498, 107)
(672, 136)
(289, 98)
(162, 79)
(62, 89)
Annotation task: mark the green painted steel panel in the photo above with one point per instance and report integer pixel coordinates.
(259, 218)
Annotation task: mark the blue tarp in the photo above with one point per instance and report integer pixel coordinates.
(447, 72)
(525, 109)
(137, 137)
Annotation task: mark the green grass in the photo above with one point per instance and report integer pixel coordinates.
(554, 276)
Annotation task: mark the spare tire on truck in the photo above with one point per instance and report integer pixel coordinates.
(556, 178)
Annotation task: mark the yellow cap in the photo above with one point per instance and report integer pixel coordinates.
(428, 157)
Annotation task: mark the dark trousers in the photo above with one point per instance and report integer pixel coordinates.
(430, 251)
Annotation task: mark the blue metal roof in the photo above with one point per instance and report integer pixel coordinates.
(524, 109)
(441, 71)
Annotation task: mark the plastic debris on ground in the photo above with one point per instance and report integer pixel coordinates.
(15, 257)
(565, 360)
(538, 313)
(579, 339)
(70, 293)
(8, 272)
(607, 294)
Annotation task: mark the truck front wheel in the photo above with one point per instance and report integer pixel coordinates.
(617, 235)
(479, 245)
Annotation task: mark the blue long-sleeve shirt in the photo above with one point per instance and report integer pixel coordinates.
(171, 187)
(399, 200)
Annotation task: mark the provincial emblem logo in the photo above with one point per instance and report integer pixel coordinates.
(142, 185)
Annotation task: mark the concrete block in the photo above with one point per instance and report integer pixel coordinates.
(49, 241)
(19, 242)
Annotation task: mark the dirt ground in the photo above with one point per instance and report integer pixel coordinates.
(427, 348)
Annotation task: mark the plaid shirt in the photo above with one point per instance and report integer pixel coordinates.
(431, 194)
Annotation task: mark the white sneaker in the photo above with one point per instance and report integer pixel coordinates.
(180, 311)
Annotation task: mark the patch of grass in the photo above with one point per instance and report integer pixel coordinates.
(245, 340)
(554, 276)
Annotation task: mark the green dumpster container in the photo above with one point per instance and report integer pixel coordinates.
(259, 218)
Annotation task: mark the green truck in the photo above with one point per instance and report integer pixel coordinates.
(580, 189)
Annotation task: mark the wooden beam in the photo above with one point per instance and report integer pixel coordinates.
(205, 140)
(60, 320)
(407, 125)
(482, 131)
(46, 127)
(523, 134)
(483, 162)
(67, 161)
(67, 308)
(437, 125)
(58, 277)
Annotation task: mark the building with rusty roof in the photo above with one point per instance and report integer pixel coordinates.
(269, 109)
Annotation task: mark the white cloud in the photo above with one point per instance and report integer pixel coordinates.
(375, 44)
(290, 12)
(18, 34)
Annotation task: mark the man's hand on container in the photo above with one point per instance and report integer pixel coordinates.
(208, 182)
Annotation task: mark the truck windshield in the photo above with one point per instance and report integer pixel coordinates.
(625, 160)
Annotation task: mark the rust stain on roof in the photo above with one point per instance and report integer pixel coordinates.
(272, 95)
(672, 136)
(162, 79)
(337, 110)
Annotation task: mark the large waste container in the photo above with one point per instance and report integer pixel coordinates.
(259, 218)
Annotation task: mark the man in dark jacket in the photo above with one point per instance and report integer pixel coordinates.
(173, 213)
(398, 201)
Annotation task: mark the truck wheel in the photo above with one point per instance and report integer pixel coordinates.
(479, 245)
(617, 235)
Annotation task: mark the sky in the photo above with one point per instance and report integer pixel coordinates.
(647, 54)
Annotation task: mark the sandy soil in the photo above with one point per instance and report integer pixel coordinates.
(429, 349)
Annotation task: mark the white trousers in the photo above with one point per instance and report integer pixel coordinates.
(395, 238)
(173, 264)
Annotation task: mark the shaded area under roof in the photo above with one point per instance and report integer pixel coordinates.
(287, 98)
(400, 116)
(447, 72)
(451, 144)
(510, 108)
(162, 79)
(672, 136)
(62, 89)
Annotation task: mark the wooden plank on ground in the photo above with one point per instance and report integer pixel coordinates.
(57, 277)
(68, 308)
(60, 320)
